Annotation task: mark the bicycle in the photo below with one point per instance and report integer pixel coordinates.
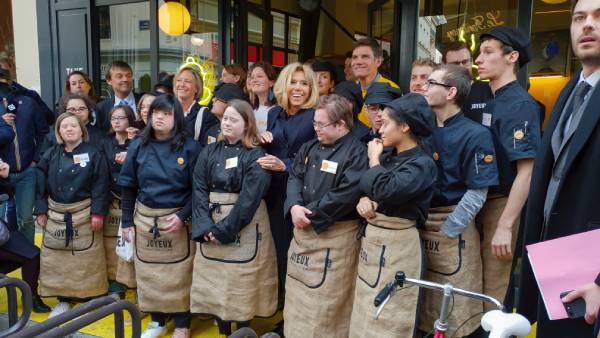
(500, 324)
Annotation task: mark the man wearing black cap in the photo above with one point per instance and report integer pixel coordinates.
(564, 187)
(326, 77)
(351, 92)
(513, 117)
(225, 93)
(378, 95)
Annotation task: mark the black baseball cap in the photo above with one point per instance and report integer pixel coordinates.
(324, 66)
(381, 93)
(414, 110)
(228, 92)
(512, 36)
(352, 91)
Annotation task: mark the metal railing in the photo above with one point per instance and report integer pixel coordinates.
(84, 315)
(16, 323)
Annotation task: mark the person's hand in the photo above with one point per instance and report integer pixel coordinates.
(366, 208)
(9, 118)
(502, 242)
(132, 132)
(591, 294)
(120, 157)
(4, 169)
(128, 234)
(266, 137)
(299, 218)
(41, 220)
(173, 224)
(210, 237)
(374, 150)
(97, 223)
(32, 164)
(270, 162)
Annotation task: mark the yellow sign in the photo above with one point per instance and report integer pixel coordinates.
(476, 24)
(174, 18)
(207, 73)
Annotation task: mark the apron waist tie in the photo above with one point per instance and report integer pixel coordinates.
(68, 218)
(154, 230)
(216, 207)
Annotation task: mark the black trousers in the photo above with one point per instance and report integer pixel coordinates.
(30, 267)
(182, 320)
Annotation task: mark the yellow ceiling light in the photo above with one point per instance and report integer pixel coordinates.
(174, 18)
(554, 2)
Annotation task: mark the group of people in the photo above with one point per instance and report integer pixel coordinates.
(307, 193)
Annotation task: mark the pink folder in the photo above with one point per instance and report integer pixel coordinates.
(564, 264)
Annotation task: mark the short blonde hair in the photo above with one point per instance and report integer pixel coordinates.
(59, 121)
(285, 79)
(197, 80)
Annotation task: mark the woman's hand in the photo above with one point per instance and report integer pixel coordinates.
(173, 224)
(266, 137)
(128, 233)
(97, 223)
(41, 220)
(272, 163)
(120, 157)
(132, 132)
(374, 150)
(210, 237)
(366, 208)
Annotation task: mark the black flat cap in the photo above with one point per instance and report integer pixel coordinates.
(228, 92)
(381, 93)
(511, 36)
(5, 74)
(350, 90)
(414, 110)
(324, 66)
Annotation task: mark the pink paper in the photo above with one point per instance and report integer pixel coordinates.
(564, 264)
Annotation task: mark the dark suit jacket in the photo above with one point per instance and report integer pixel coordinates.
(208, 120)
(103, 108)
(576, 208)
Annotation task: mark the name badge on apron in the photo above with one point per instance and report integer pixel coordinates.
(231, 162)
(486, 119)
(329, 166)
(81, 159)
(211, 139)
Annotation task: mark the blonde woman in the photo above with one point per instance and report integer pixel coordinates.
(289, 125)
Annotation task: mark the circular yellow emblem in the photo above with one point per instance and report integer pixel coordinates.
(519, 134)
(488, 158)
(180, 160)
(436, 156)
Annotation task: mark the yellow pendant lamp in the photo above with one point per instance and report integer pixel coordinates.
(174, 18)
(554, 2)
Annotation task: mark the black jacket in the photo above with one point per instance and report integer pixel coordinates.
(575, 209)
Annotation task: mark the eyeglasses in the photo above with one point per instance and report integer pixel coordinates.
(320, 125)
(77, 110)
(430, 83)
(118, 118)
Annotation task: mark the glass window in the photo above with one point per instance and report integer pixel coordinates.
(125, 35)
(278, 29)
(452, 20)
(255, 29)
(294, 33)
(198, 45)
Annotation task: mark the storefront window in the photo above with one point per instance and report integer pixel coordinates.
(125, 35)
(198, 45)
(452, 20)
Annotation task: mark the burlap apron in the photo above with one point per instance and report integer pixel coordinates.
(111, 230)
(124, 271)
(236, 281)
(451, 260)
(390, 244)
(321, 275)
(72, 262)
(163, 262)
(496, 272)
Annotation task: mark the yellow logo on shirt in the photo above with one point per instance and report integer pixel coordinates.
(488, 159)
(519, 134)
(436, 156)
(180, 160)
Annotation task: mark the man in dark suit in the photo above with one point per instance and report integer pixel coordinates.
(563, 198)
(119, 77)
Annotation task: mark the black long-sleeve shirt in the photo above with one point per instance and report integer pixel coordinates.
(402, 185)
(325, 179)
(110, 147)
(69, 177)
(227, 168)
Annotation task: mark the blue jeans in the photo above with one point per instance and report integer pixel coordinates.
(24, 184)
